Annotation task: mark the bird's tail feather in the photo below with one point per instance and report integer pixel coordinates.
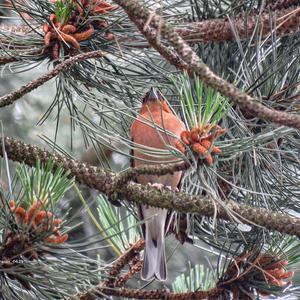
(154, 254)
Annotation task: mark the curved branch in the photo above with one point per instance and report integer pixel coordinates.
(123, 260)
(13, 96)
(137, 12)
(107, 182)
(136, 267)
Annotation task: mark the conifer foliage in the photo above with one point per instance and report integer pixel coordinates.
(230, 71)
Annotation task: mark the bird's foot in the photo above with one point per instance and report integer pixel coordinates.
(156, 185)
(160, 186)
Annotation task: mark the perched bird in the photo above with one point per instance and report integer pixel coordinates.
(155, 110)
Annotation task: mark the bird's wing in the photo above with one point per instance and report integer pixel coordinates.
(139, 212)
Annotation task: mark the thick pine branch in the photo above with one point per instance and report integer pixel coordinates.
(109, 183)
(138, 13)
(283, 22)
(150, 294)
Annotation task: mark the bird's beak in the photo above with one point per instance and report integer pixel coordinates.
(152, 95)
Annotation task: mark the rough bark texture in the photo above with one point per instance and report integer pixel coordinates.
(109, 183)
(138, 12)
(282, 22)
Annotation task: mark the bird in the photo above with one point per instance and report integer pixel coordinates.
(155, 110)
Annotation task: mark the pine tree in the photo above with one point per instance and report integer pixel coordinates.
(229, 70)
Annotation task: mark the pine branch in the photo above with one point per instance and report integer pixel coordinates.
(150, 294)
(4, 59)
(108, 286)
(107, 183)
(214, 30)
(239, 278)
(283, 22)
(164, 51)
(281, 4)
(15, 95)
(137, 12)
(7, 59)
(16, 28)
(122, 261)
(135, 267)
(159, 170)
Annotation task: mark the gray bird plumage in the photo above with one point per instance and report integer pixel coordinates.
(154, 254)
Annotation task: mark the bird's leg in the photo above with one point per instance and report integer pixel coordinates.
(160, 186)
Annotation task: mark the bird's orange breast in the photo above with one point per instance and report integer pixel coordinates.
(149, 136)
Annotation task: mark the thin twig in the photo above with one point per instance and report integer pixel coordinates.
(23, 29)
(133, 269)
(7, 59)
(20, 55)
(138, 13)
(122, 261)
(13, 96)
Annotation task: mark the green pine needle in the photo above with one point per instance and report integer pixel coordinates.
(63, 10)
(120, 227)
(43, 183)
(200, 104)
(198, 278)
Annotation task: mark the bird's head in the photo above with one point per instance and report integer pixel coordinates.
(153, 95)
(154, 100)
